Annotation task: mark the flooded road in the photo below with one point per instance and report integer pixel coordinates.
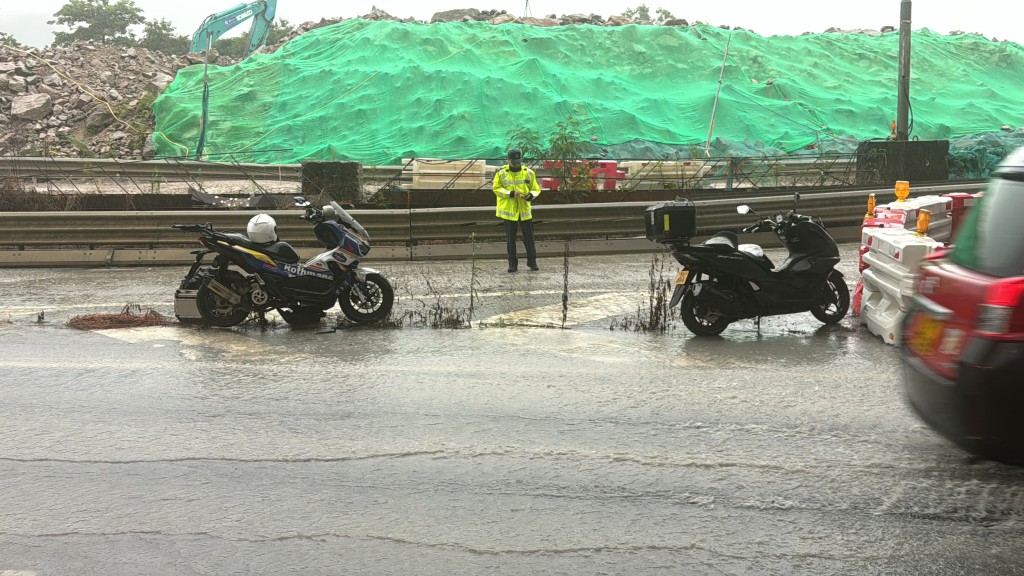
(526, 444)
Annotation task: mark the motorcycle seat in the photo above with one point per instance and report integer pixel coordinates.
(725, 238)
(279, 250)
(282, 251)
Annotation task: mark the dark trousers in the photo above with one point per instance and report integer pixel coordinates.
(511, 227)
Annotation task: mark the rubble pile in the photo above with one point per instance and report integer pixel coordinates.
(83, 100)
(92, 100)
(473, 15)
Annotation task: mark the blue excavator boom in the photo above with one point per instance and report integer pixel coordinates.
(215, 25)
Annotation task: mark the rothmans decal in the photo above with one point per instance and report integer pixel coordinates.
(297, 270)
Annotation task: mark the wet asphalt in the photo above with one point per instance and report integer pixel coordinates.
(500, 424)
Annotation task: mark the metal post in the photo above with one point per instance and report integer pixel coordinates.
(903, 89)
(204, 114)
(714, 106)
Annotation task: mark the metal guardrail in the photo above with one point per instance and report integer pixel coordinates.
(20, 230)
(711, 173)
(175, 170)
(45, 168)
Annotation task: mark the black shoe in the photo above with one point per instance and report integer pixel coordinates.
(513, 268)
(534, 267)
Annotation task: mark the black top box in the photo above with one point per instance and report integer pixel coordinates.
(671, 221)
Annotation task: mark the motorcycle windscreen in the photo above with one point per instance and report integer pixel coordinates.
(349, 220)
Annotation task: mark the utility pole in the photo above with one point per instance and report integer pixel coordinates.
(903, 89)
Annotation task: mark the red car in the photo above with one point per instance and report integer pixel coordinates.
(963, 337)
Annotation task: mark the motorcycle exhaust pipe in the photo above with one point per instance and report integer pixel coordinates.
(223, 291)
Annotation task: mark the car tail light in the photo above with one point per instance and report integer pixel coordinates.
(1001, 314)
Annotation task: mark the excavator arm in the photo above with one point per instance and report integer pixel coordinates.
(215, 25)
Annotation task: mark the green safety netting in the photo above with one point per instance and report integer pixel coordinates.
(380, 91)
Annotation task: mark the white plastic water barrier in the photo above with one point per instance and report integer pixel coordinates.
(940, 207)
(892, 259)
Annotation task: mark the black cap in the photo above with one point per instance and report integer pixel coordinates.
(515, 154)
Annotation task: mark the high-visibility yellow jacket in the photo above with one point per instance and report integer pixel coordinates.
(505, 183)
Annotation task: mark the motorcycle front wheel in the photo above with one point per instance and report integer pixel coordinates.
(219, 311)
(367, 301)
(833, 299)
(701, 319)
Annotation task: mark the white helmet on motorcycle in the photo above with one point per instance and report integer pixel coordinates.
(262, 229)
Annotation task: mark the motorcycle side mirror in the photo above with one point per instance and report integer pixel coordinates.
(743, 209)
(301, 202)
(796, 198)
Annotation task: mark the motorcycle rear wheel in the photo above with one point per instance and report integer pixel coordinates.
(196, 280)
(368, 301)
(834, 299)
(219, 311)
(700, 318)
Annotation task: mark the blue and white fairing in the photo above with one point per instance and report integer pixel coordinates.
(345, 239)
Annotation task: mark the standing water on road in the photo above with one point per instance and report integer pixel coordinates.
(505, 448)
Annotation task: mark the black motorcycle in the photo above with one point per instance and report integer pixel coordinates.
(723, 281)
(248, 276)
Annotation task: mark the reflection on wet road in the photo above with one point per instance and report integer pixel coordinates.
(512, 447)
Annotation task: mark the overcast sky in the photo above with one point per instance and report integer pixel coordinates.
(1001, 19)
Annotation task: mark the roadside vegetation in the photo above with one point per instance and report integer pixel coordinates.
(656, 316)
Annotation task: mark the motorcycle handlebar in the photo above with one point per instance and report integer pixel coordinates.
(777, 221)
(311, 215)
(334, 212)
(764, 223)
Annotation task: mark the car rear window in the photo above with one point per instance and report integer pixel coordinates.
(991, 238)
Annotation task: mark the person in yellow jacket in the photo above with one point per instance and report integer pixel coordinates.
(516, 186)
